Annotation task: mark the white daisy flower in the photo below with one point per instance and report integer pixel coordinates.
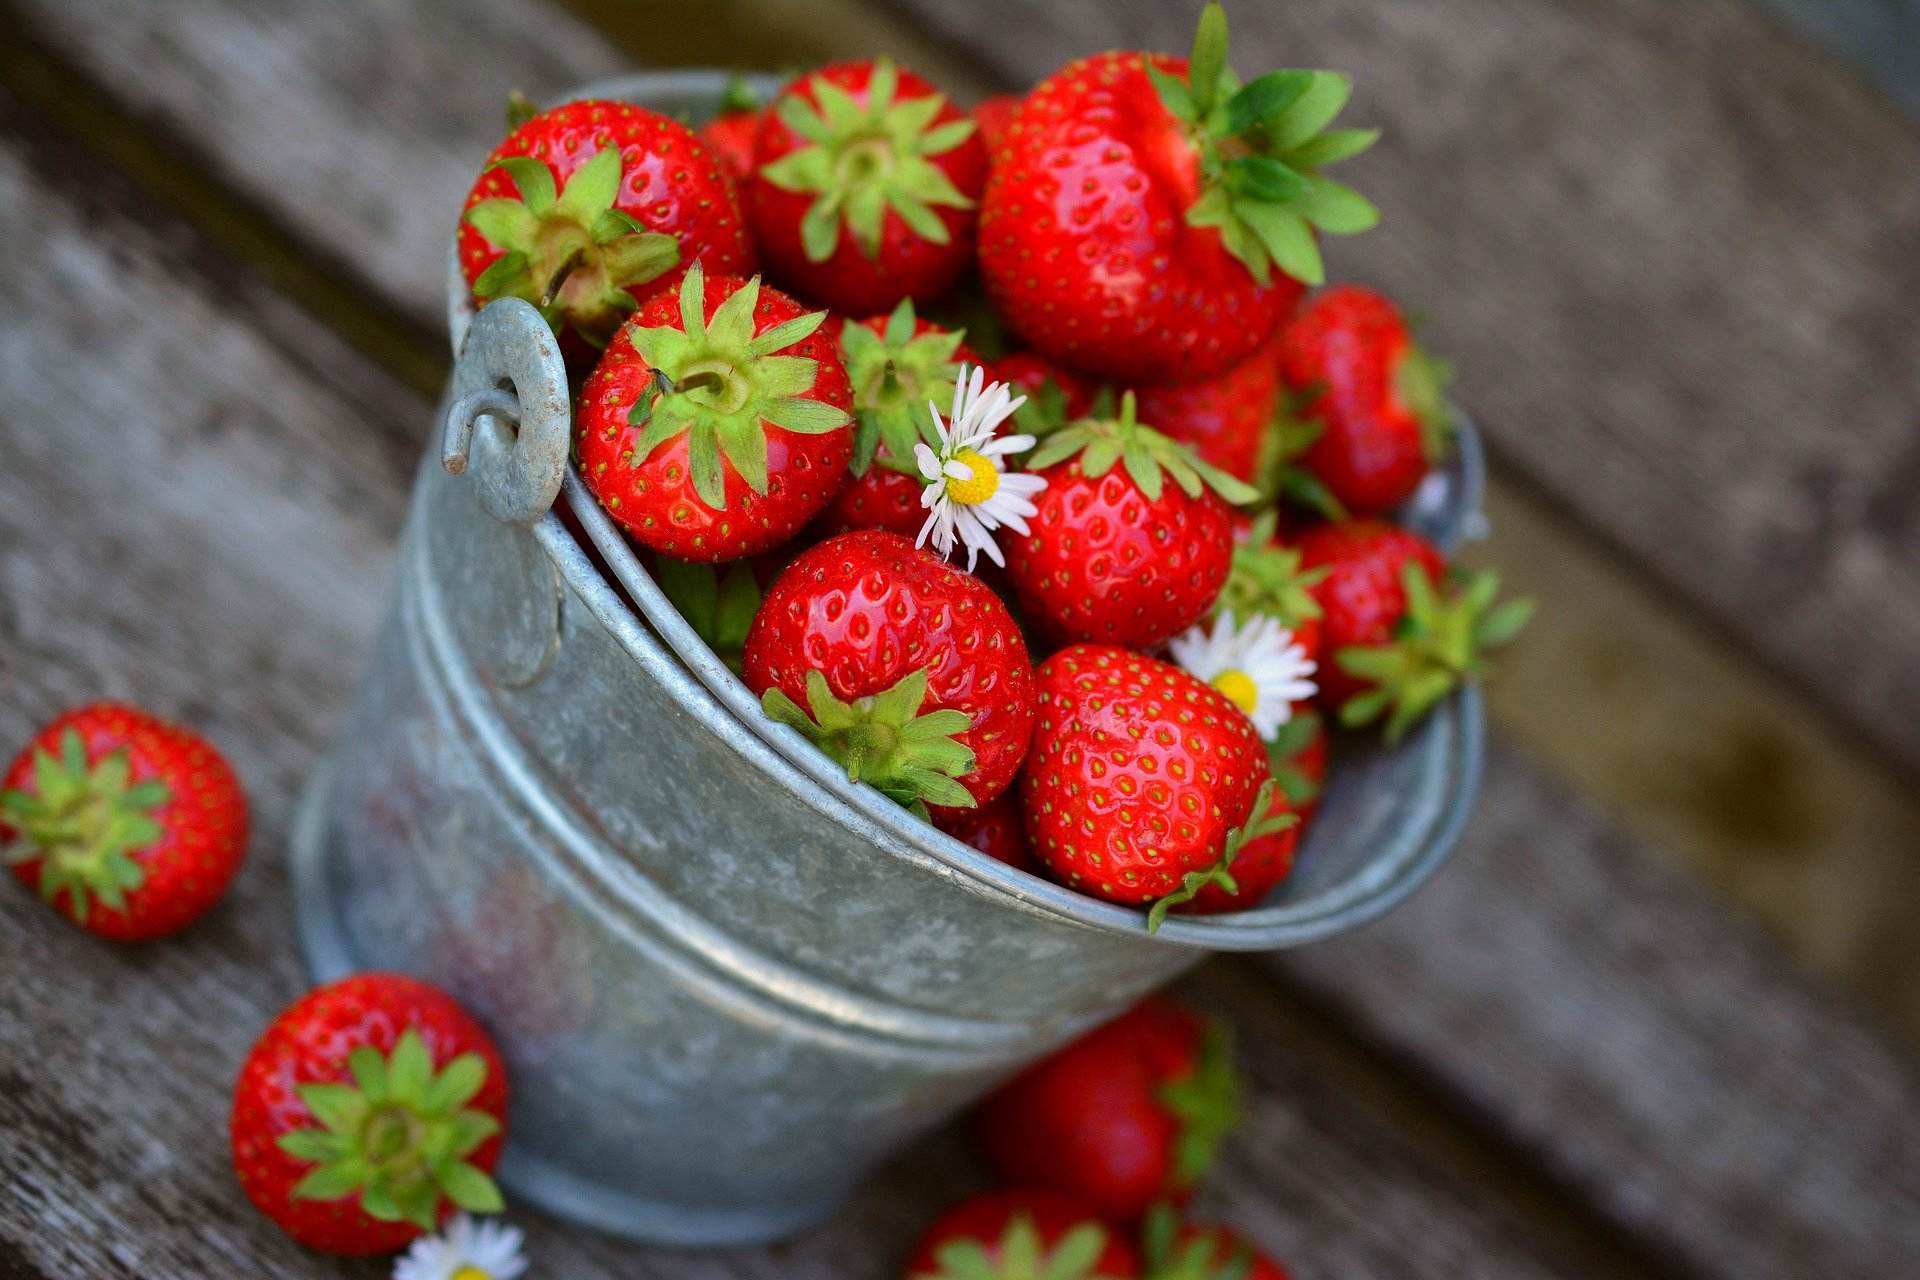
(466, 1250)
(969, 493)
(1258, 667)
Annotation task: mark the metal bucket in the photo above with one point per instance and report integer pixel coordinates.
(726, 981)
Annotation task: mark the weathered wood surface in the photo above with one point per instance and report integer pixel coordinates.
(1675, 253)
(202, 524)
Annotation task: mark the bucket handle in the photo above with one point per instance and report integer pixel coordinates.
(511, 414)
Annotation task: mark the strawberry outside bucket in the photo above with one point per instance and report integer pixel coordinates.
(727, 982)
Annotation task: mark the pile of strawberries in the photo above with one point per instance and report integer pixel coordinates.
(1099, 1149)
(1147, 461)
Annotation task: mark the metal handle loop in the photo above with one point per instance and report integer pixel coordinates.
(464, 414)
(511, 415)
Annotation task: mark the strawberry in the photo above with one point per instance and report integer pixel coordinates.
(130, 825)
(1128, 1115)
(1021, 1235)
(1117, 554)
(993, 116)
(1140, 203)
(370, 1109)
(716, 425)
(1261, 863)
(898, 364)
(865, 185)
(592, 208)
(1188, 1251)
(994, 829)
(1225, 419)
(732, 130)
(1143, 782)
(1055, 395)
(1376, 396)
(1266, 579)
(910, 672)
(1402, 632)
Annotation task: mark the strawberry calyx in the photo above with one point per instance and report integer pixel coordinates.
(718, 601)
(895, 374)
(1288, 438)
(864, 160)
(1147, 455)
(1206, 1102)
(570, 253)
(1022, 1253)
(1420, 381)
(1261, 147)
(884, 740)
(1439, 642)
(83, 823)
(739, 96)
(397, 1137)
(1166, 1256)
(1293, 738)
(1260, 822)
(721, 386)
(1266, 578)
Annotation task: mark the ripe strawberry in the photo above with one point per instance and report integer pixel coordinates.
(1021, 1235)
(700, 440)
(897, 364)
(1140, 202)
(1377, 397)
(1403, 633)
(1055, 395)
(1266, 578)
(731, 131)
(865, 187)
(1117, 554)
(1226, 419)
(1128, 1115)
(592, 208)
(130, 825)
(366, 1112)
(994, 829)
(1188, 1251)
(913, 674)
(993, 116)
(1143, 782)
(1260, 863)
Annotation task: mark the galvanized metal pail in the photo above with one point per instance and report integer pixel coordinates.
(726, 981)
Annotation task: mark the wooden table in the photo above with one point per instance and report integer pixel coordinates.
(1657, 1018)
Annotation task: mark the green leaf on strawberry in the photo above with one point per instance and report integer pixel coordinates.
(1259, 823)
(1262, 146)
(884, 740)
(718, 605)
(1022, 1253)
(1293, 738)
(1147, 455)
(85, 823)
(1266, 578)
(1167, 1256)
(397, 1136)
(1207, 1103)
(895, 373)
(721, 386)
(867, 159)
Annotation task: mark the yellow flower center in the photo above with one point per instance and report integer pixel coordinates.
(1239, 688)
(470, 1272)
(983, 479)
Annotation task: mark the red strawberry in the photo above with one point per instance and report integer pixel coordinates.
(994, 116)
(1401, 632)
(1261, 862)
(130, 825)
(913, 674)
(1143, 781)
(592, 208)
(1189, 1251)
(994, 829)
(1377, 397)
(731, 131)
(1128, 1115)
(1226, 419)
(1021, 1235)
(716, 424)
(865, 187)
(1140, 202)
(366, 1112)
(897, 364)
(1267, 578)
(1298, 758)
(1055, 395)
(1116, 554)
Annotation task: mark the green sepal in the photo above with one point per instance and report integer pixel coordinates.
(1259, 823)
(1206, 1102)
(738, 96)
(1148, 456)
(1294, 735)
(397, 1137)
(894, 375)
(866, 160)
(718, 601)
(1021, 1254)
(1166, 1257)
(1278, 472)
(1266, 578)
(84, 824)
(569, 252)
(721, 386)
(884, 740)
(1439, 643)
(1420, 381)
(1044, 412)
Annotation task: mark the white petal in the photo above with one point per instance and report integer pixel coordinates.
(928, 460)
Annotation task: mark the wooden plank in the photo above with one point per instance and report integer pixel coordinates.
(203, 525)
(1675, 260)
